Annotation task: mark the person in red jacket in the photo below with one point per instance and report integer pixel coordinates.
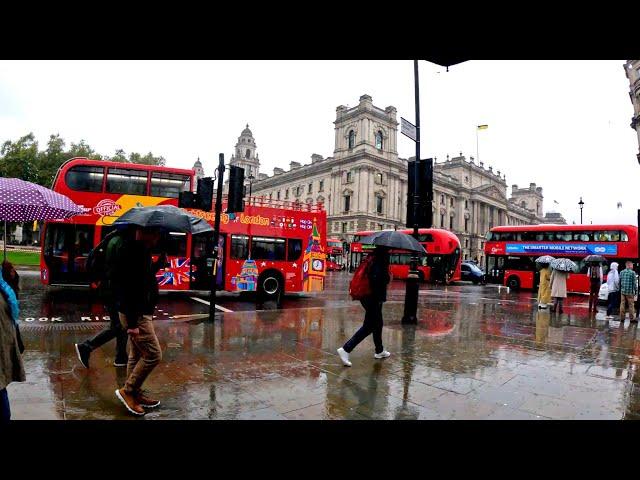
(379, 278)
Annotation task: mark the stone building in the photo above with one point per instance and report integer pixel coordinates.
(632, 70)
(364, 184)
(199, 173)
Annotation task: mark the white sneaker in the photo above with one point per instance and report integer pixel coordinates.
(609, 317)
(344, 356)
(383, 354)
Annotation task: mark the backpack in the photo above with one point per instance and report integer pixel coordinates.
(360, 287)
(97, 258)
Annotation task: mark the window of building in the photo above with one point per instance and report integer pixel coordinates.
(442, 220)
(466, 224)
(466, 243)
(128, 181)
(466, 204)
(310, 188)
(379, 178)
(379, 204)
(247, 154)
(349, 177)
(84, 178)
(239, 247)
(270, 195)
(286, 193)
(523, 204)
(352, 139)
(379, 140)
(451, 202)
(347, 203)
(297, 191)
(441, 199)
(168, 184)
(466, 179)
(267, 248)
(380, 226)
(278, 195)
(450, 223)
(321, 186)
(344, 227)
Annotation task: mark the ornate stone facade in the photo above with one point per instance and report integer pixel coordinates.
(364, 184)
(632, 70)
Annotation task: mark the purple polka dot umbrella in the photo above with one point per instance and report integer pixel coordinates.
(22, 201)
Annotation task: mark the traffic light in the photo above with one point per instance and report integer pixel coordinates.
(187, 200)
(425, 192)
(205, 194)
(235, 201)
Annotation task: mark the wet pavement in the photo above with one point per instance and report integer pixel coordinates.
(478, 352)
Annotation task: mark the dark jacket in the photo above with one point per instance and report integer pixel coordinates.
(132, 275)
(379, 277)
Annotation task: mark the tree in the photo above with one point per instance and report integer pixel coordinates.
(20, 159)
(50, 160)
(82, 149)
(147, 159)
(119, 156)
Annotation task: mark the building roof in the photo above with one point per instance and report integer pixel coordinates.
(246, 131)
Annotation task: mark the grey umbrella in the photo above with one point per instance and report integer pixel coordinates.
(393, 239)
(595, 259)
(164, 216)
(564, 265)
(545, 259)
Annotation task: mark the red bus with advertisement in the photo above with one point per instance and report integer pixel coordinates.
(335, 254)
(510, 252)
(441, 263)
(271, 247)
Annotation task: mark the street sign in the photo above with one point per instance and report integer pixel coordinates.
(408, 129)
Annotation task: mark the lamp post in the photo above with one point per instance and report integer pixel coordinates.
(250, 178)
(581, 204)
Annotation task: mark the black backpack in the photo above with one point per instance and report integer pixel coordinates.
(97, 258)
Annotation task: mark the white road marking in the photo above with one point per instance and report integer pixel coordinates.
(208, 303)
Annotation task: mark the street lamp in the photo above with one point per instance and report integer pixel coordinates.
(581, 203)
(250, 178)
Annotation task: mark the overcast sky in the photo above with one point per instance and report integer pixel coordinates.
(561, 124)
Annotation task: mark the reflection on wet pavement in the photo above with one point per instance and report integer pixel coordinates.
(477, 353)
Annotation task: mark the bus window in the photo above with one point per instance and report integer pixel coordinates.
(582, 236)
(624, 237)
(425, 237)
(393, 259)
(294, 249)
(239, 247)
(84, 178)
(174, 245)
(492, 237)
(66, 248)
(168, 184)
(520, 263)
(266, 248)
(127, 181)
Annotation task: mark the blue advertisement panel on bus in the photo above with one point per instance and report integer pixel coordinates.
(562, 248)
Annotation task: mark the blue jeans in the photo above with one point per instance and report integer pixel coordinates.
(5, 411)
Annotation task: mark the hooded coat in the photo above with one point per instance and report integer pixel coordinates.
(11, 366)
(613, 278)
(544, 289)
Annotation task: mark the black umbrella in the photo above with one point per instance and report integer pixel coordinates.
(393, 239)
(164, 216)
(595, 259)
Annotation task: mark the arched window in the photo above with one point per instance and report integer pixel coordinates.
(248, 154)
(379, 140)
(523, 204)
(352, 139)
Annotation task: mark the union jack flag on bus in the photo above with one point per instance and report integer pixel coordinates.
(176, 273)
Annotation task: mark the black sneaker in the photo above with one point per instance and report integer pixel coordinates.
(120, 363)
(83, 353)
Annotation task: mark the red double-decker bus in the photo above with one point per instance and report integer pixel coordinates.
(335, 254)
(510, 252)
(441, 263)
(271, 247)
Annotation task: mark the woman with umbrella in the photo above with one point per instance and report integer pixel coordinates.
(594, 272)
(560, 269)
(544, 287)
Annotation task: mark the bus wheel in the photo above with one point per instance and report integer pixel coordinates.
(513, 283)
(270, 285)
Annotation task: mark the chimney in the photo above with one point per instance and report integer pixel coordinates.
(514, 188)
(482, 164)
(294, 165)
(316, 158)
(532, 186)
(278, 171)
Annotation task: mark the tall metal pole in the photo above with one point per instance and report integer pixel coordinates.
(216, 238)
(411, 294)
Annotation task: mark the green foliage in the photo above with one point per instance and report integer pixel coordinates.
(22, 159)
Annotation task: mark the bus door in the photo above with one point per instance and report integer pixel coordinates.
(495, 269)
(202, 261)
(66, 247)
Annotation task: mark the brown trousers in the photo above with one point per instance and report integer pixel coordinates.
(144, 353)
(623, 300)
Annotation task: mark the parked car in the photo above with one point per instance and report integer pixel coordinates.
(471, 272)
